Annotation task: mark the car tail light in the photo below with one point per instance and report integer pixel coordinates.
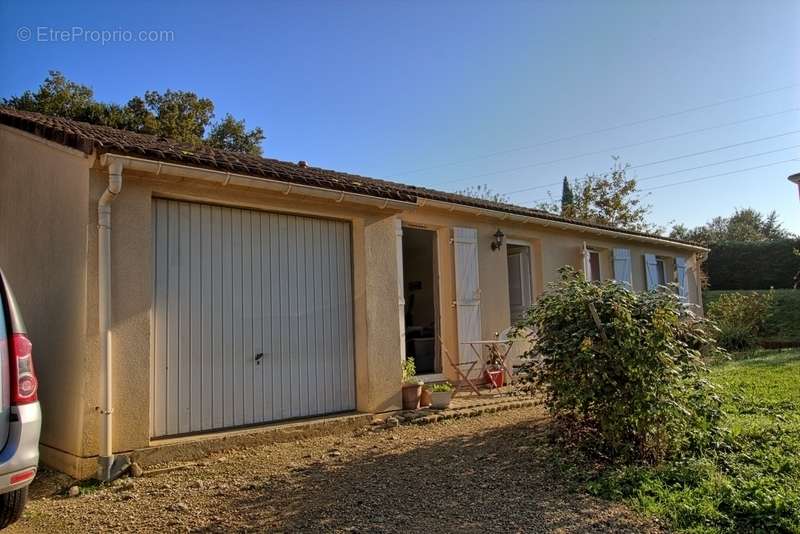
(22, 476)
(23, 379)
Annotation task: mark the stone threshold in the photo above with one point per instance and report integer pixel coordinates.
(425, 416)
(196, 447)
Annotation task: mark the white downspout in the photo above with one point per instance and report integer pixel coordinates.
(107, 468)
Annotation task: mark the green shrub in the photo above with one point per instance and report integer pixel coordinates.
(741, 318)
(635, 376)
(442, 388)
(783, 322)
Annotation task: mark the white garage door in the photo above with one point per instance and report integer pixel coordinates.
(252, 318)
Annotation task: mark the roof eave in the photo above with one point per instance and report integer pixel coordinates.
(548, 222)
(157, 168)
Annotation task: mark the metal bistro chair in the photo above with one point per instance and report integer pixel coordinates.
(464, 381)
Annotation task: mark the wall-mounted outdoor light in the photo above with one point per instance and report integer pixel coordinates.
(498, 239)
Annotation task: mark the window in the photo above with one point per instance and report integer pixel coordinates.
(661, 272)
(519, 279)
(594, 266)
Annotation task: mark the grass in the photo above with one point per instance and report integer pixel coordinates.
(751, 486)
(784, 322)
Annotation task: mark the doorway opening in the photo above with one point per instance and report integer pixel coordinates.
(421, 294)
(520, 288)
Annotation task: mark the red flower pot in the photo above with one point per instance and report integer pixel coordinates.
(496, 377)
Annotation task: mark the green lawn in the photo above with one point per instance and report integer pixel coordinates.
(754, 485)
(784, 322)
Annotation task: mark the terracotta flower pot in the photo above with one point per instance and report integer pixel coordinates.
(411, 395)
(441, 399)
(496, 377)
(425, 397)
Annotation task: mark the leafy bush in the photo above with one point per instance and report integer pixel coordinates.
(442, 388)
(627, 366)
(741, 318)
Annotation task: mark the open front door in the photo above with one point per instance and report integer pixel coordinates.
(468, 293)
(401, 299)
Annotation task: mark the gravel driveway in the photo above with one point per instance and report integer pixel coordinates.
(482, 474)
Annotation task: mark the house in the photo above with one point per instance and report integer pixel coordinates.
(173, 291)
(796, 179)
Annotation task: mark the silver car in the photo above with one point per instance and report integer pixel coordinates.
(21, 417)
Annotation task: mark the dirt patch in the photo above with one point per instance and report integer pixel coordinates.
(484, 474)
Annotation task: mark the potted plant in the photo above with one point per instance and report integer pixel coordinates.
(495, 374)
(441, 395)
(412, 387)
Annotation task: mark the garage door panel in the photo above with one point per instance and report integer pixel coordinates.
(195, 317)
(258, 318)
(173, 316)
(271, 302)
(217, 312)
(231, 284)
(290, 351)
(207, 343)
(247, 326)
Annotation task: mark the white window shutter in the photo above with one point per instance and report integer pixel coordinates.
(622, 266)
(683, 288)
(468, 293)
(527, 283)
(401, 294)
(651, 271)
(587, 265)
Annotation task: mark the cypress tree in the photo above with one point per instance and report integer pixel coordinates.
(567, 197)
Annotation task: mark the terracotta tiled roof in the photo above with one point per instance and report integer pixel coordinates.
(102, 139)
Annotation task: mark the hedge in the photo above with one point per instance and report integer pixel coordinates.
(749, 265)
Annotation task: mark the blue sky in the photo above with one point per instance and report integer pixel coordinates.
(452, 94)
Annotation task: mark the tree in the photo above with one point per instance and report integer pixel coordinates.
(567, 196)
(745, 224)
(179, 115)
(230, 134)
(56, 96)
(610, 198)
(484, 192)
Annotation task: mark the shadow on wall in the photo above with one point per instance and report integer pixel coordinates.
(495, 481)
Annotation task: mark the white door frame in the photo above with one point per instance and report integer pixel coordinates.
(527, 244)
(399, 225)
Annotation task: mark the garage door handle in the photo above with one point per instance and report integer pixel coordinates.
(258, 357)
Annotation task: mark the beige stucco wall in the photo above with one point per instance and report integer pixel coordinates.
(550, 248)
(43, 228)
(376, 328)
(379, 374)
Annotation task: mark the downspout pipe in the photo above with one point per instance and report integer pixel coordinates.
(108, 466)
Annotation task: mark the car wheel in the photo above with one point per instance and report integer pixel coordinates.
(11, 506)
